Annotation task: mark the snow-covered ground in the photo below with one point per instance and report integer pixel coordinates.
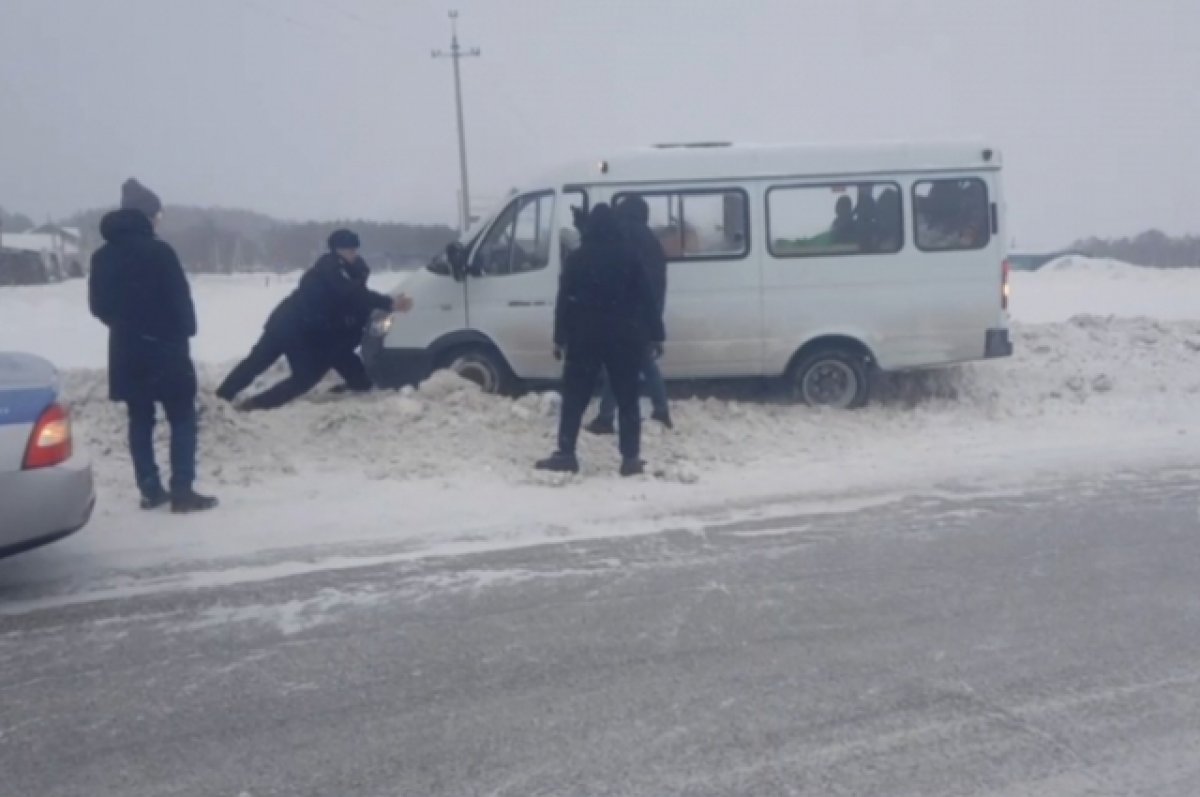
(1105, 377)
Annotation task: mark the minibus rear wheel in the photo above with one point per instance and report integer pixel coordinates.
(830, 377)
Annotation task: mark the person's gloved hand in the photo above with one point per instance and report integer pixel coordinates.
(402, 303)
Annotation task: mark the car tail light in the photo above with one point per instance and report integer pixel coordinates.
(50, 443)
(1005, 285)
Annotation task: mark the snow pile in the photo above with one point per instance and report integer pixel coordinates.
(1074, 285)
(446, 429)
(1092, 368)
(1097, 267)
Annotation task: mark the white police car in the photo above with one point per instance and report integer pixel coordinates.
(46, 489)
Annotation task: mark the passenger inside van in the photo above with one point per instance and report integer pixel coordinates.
(844, 229)
(975, 214)
(891, 221)
(677, 241)
(866, 219)
(952, 216)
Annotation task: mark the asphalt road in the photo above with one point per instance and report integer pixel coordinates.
(1042, 644)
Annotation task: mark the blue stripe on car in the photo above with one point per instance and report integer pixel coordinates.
(25, 405)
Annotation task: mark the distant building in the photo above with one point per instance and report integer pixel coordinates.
(57, 248)
(18, 267)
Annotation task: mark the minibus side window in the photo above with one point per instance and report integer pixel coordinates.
(864, 218)
(519, 240)
(951, 214)
(698, 225)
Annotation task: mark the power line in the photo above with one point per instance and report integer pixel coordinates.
(282, 15)
(320, 27)
(349, 15)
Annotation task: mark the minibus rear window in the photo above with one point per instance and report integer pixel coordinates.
(951, 214)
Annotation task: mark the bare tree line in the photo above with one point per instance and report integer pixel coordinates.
(1152, 248)
(222, 241)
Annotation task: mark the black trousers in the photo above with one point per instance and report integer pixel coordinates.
(621, 357)
(181, 414)
(309, 363)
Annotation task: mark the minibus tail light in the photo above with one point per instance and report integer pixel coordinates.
(1005, 284)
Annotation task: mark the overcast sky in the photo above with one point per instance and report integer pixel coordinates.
(322, 108)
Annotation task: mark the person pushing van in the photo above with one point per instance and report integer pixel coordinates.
(605, 317)
(317, 328)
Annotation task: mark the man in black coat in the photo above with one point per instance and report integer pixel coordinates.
(317, 328)
(605, 317)
(138, 289)
(634, 215)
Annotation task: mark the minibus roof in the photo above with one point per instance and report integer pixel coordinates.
(708, 161)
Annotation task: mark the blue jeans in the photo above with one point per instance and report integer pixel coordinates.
(656, 389)
(181, 414)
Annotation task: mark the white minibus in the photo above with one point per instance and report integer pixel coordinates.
(811, 263)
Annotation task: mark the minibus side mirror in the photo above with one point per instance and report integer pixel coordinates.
(456, 256)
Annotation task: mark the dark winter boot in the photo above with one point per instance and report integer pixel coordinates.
(663, 417)
(601, 426)
(632, 467)
(188, 501)
(156, 499)
(558, 462)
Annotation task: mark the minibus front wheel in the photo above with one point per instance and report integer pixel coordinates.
(482, 365)
(834, 377)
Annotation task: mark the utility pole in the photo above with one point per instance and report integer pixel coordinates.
(456, 54)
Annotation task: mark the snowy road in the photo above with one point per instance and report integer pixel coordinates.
(1044, 643)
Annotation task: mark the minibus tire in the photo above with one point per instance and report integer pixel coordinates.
(833, 364)
(483, 366)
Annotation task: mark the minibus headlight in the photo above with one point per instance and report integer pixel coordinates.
(381, 326)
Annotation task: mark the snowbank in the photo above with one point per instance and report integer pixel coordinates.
(1099, 369)
(1073, 285)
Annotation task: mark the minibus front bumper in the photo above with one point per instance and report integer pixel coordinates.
(997, 344)
(394, 367)
(397, 367)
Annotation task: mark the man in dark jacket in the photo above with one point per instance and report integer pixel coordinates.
(605, 317)
(138, 289)
(634, 216)
(317, 328)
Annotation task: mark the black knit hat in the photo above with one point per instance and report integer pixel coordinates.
(633, 208)
(135, 196)
(343, 239)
